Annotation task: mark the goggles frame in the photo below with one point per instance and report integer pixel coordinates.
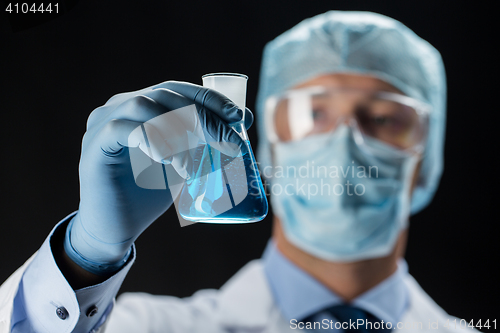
(422, 109)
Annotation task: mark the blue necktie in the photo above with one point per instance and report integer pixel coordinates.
(356, 320)
(347, 320)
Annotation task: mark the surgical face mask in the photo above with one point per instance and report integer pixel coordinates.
(340, 201)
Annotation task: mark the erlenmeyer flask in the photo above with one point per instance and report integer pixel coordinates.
(223, 188)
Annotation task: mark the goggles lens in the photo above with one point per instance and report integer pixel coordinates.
(395, 119)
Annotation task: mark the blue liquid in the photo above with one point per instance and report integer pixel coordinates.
(223, 189)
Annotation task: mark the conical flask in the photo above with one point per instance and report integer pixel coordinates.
(222, 188)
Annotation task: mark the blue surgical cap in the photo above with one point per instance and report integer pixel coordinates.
(360, 43)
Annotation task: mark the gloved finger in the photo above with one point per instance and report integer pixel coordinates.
(137, 108)
(248, 118)
(208, 98)
(122, 97)
(172, 100)
(187, 88)
(121, 133)
(167, 135)
(118, 134)
(173, 125)
(157, 103)
(140, 108)
(221, 135)
(98, 115)
(169, 99)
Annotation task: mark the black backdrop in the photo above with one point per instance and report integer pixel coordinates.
(54, 74)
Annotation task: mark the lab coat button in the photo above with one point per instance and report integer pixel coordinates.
(62, 313)
(92, 311)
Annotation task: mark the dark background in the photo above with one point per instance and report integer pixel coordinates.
(54, 74)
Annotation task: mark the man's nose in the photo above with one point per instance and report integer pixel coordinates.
(345, 109)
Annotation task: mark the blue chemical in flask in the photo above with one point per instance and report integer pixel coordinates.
(224, 188)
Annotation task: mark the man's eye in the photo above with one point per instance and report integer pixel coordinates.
(381, 120)
(318, 114)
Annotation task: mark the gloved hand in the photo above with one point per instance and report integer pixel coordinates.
(113, 210)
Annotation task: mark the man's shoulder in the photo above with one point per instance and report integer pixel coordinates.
(424, 314)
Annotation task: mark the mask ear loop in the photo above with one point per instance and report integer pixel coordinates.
(410, 165)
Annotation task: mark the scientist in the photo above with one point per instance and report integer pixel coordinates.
(351, 121)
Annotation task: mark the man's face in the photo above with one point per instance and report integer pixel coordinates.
(345, 105)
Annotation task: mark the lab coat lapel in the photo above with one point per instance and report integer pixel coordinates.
(246, 301)
(422, 309)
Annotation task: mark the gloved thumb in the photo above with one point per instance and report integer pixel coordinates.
(248, 118)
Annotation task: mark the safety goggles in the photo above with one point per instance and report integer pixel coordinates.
(395, 119)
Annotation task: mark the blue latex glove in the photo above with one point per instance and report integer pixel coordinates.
(114, 211)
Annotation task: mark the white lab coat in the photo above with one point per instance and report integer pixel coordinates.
(243, 304)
